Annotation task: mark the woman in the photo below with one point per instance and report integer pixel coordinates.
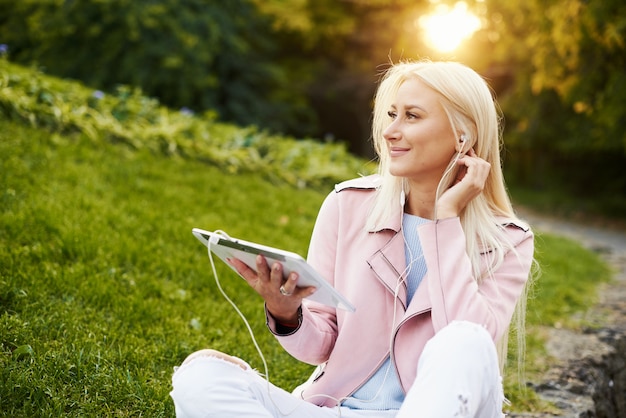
(429, 251)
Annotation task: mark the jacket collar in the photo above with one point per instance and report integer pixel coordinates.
(372, 182)
(394, 222)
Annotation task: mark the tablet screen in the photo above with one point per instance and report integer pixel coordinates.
(226, 247)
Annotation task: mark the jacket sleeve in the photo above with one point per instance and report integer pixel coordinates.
(454, 292)
(314, 340)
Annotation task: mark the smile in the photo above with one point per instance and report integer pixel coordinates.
(397, 151)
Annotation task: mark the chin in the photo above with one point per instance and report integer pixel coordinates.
(399, 172)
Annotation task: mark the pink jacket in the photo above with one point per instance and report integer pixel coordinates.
(365, 267)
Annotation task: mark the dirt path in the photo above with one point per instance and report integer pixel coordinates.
(589, 376)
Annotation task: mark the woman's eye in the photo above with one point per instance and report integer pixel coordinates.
(411, 115)
(392, 114)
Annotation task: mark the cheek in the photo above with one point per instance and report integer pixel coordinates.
(446, 141)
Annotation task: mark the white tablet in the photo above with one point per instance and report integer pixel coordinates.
(225, 247)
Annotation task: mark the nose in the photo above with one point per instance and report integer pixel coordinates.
(391, 132)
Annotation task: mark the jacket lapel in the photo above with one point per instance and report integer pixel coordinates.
(389, 263)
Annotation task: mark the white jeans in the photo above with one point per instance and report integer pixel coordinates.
(457, 376)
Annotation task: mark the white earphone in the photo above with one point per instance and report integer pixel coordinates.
(462, 140)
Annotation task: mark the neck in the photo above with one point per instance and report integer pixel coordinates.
(421, 200)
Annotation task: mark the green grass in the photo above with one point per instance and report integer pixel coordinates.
(103, 289)
(567, 284)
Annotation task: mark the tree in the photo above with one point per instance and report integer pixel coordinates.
(199, 54)
(565, 107)
(305, 67)
(345, 45)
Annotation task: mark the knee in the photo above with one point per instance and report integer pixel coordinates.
(207, 382)
(210, 368)
(462, 339)
(208, 352)
(465, 332)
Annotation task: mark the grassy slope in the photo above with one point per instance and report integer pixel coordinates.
(103, 288)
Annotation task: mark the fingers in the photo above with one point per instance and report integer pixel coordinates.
(273, 275)
(262, 271)
(290, 287)
(474, 171)
(282, 295)
(470, 181)
(268, 282)
(460, 174)
(242, 268)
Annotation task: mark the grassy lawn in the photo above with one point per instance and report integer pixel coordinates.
(103, 288)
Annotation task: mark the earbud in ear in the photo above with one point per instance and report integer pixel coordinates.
(462, 141)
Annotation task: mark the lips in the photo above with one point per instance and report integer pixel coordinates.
(397, 151)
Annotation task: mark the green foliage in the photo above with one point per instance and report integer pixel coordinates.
(304, 67)
(140, 122)
(346, 48)
(565, 113)
(197, 54)
(576, 49)
(309, 68)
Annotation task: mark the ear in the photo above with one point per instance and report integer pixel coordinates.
(462, 141)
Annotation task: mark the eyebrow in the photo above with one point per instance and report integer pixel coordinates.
(415, 106)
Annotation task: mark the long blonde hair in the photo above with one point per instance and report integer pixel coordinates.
(471, 109)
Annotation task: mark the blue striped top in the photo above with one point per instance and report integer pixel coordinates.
(383, 391)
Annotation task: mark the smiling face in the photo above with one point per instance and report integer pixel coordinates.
(420, 139)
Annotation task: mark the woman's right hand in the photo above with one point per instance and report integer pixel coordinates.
(268, 282)
(470, 182)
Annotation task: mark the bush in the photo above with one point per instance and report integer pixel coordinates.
(218, 55)
(140, 122)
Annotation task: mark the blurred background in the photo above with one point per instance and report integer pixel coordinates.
(309, 69)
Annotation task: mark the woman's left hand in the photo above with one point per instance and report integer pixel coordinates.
(282, 297)
(469, 183)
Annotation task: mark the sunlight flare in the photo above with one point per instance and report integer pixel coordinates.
(447, 27)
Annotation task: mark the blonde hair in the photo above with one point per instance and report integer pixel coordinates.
(471, 109)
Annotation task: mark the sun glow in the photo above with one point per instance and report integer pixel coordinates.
(447, 27)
